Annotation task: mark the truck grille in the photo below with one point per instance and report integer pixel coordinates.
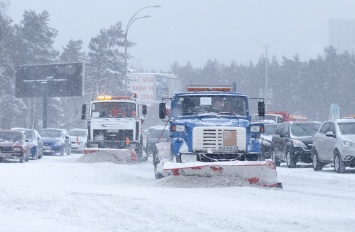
(118, 135)
(218, 139)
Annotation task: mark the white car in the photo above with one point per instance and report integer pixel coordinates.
(78, 138)
(334, 143)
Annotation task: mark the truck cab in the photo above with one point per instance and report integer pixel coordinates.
(115, 122)
(211, 124)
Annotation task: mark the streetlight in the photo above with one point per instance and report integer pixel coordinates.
(266, 64)
(130, 22)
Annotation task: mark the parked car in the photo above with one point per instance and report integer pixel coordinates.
(35, 140)
(335, 143)
(78, 138)
(156, 134)
(292, 142)
(14, 145)
(265, 140)
(55, 141)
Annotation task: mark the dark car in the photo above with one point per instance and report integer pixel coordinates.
(156, 134)
(292, 142)
(265, 140)
(55, 141)
(35, 140)
(14, 145)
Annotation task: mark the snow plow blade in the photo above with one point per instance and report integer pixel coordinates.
(262, 173)
(109, 155)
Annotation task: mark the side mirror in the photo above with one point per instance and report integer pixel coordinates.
(330, 134)
(83, 112)
(261, 109)
(162, 110)
(144, 109)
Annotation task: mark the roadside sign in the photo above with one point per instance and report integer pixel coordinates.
(334, 111)
(62, 80)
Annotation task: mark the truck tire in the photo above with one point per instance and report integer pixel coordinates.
(157, 174)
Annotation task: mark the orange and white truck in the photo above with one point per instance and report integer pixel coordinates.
(278, 117)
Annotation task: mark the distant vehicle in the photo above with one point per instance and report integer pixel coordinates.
(55, 141)
(14, 145)
(268, 118)
(335, 143)
(155, 135)
(278, 117)
(265, 140)
(292, 142)
(35, 140)
(78, 138)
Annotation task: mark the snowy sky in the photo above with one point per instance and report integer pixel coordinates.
(199, 30)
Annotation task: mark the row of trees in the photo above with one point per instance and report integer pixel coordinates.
(31, 43)
(308, 87)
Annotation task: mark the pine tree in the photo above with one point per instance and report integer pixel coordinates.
(105, 69)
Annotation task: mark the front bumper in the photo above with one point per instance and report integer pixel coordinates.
(51, 149)
(10, 155)
(302, 154)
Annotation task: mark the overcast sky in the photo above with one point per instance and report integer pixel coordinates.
(197, 30)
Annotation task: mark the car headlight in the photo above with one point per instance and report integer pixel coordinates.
(18, 149)
(347, 144)
(57, 143)
(178, 128)
(297, 143)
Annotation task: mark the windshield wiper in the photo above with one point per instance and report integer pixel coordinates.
(304, 129)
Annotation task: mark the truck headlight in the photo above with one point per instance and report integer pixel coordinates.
(178, 128)
(297, 143)
(347, 144)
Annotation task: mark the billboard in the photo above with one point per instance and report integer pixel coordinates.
(61, 80)
(152, 87)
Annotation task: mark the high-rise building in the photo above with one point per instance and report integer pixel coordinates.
(342, 35)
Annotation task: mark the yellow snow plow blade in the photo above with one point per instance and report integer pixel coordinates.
(261, 173)
(109, 155)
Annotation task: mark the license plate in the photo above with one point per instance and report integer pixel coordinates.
(228, 148)
(47, 147)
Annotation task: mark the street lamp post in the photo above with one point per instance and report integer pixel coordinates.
(266, 65)
(130, 22)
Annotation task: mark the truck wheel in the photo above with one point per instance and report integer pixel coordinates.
(290, 159)
(339, 165)
(157, 174)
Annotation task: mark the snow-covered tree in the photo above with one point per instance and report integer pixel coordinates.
(105, 69)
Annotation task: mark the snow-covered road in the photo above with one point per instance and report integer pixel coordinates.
(62, 194)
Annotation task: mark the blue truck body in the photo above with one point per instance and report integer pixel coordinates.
(212, 126)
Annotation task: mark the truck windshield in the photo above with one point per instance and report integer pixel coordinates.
(211, 104)
(113, 110)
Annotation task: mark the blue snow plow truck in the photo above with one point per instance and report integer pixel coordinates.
(211, 134)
